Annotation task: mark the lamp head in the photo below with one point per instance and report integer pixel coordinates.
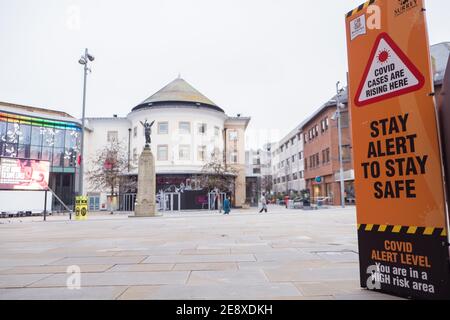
(90, 57)
(82, 61)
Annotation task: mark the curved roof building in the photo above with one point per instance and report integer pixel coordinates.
(189, 131)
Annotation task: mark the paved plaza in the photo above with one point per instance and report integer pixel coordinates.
(285, 254)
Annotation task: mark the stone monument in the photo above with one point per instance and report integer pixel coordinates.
(145, 201)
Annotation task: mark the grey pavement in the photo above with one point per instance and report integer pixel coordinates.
(284, 254)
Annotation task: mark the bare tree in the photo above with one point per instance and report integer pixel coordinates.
(266, 183)
(107, 168)
(218, 177)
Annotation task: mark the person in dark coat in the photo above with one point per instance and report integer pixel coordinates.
(227, 206)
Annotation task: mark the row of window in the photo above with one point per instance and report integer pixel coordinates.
(295, 176)
(285, 146)
(184, 127)
(58, 145)
(316, 160)
(184, 153)
(293, 159)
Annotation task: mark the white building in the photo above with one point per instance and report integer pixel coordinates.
(189, 129)
(288, 163)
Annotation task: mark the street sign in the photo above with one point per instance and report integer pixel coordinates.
(81, 208)
(402, 228)
(389, 73)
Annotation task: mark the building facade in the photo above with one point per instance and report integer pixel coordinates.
(189, 131)
(288, 163)
(31, 133)
(322, 164)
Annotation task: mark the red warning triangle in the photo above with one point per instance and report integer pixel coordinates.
(389, 73)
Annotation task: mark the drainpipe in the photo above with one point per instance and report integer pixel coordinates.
(129, 149)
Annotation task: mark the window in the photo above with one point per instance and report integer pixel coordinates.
(163, 152)
(233, 135)
(135, 132)
(324, 125)
(344, 120)
(234, 157)
(201, 153)
(217, 131)
(184, 127)
(184, 152)
(346, 153)
(294, 176)
(300, 155)
(112, 136)
(202, 128)
(293, 158)
(135, 155)
(256, 171)
(163, 128)
(302, 174)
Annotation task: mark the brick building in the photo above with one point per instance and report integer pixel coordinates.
(321, 151)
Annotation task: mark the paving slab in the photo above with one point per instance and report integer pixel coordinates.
(213, 292)
(117, 279)
(85, 293)
(51, 269)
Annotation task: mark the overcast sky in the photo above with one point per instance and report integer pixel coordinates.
(273, 60)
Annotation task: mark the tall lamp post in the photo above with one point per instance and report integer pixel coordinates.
(341, 164)
(84, 61)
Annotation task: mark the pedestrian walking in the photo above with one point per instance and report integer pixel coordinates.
(263, 204)
(227, 206)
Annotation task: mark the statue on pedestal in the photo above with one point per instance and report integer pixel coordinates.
(145, 205)
(148, 132)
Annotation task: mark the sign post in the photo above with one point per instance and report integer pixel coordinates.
(81, 208)
(402, 228)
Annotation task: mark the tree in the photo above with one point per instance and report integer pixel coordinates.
(107, 168)
(218, 177)
(267, 183)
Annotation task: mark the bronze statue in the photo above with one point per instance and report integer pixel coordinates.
(148, 132)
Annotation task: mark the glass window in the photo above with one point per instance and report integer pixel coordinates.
(202, 128)
(346, 153)
(184, 152)
(59, 138)
(163, 128)
(10, 150)
(234, 157)
(47, 154)
(234, 136)
(163, 153)
(184, 127)
(35, 152)
(344, 120)
(135, 132)
(58, 156)
(2, 131)
(70, 157)
(25, 134)
(112, 136)
(37, 134)
(216, 131)
(12, 132)
(201, 154)
(24, 151)
(48, 137)
(73, 140)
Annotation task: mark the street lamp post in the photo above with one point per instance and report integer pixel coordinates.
(84, 60)
(341, 165)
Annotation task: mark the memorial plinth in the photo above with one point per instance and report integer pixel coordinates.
(145, 200)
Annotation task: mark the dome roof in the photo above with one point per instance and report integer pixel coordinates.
(178, 91)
